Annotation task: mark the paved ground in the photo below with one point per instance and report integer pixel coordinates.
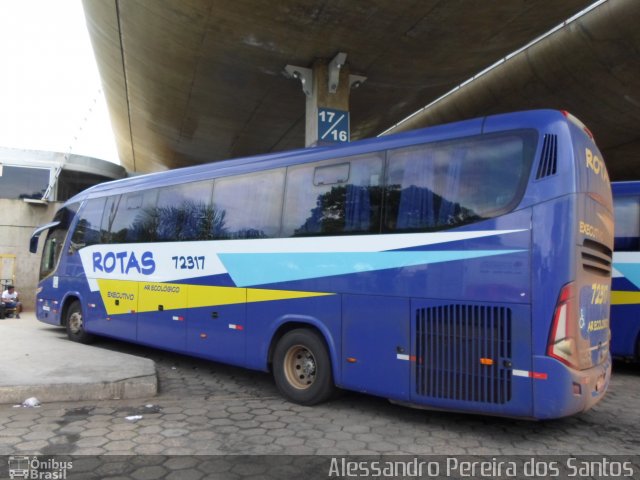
(38, 360)
(209, 408)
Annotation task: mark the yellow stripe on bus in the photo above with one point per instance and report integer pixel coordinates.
(261, 295)
(169, 296)
(121, 296)
(619, 297)
(204, 296)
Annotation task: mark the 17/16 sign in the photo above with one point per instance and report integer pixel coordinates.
(333, 126)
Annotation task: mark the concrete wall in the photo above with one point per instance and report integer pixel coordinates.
(17, 222)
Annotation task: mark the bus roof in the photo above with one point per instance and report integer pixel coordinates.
(626, 188)
(515, 120)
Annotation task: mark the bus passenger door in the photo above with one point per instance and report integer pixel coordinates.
(96, 316)
(112, 309)
(216, 323)
(162, 315)
(376, 345)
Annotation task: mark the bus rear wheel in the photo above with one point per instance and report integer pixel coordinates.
(302, 367)
(75, 324)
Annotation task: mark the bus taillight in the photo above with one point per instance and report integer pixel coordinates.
(575, 120)
(562, 344)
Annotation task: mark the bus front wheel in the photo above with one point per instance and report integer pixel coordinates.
(75, 324)
(302, 367)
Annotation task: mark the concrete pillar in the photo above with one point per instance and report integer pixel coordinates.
(327, 85)
(321, 97)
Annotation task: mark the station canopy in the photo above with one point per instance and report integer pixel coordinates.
(190, 82)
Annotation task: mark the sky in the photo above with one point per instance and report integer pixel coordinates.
(50, 91)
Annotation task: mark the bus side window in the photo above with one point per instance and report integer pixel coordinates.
(249, 206)
(334, 197)
(108, 218)
(424, 187)
(135, 219)
(87, 231)
(183, 213)
(448, 184)
(627, 218)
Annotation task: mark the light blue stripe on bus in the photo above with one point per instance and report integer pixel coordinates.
(631, 271)
(248, 269)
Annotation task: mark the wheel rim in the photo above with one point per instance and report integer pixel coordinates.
(75, 322)
(300, 367)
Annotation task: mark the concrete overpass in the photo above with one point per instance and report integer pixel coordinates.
(195, 81)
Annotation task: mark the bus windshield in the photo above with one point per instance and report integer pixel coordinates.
(55, 240)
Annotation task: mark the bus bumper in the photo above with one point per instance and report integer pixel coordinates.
(566, 391)
(47, 311)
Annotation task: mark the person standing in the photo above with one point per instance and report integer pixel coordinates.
(10, 298)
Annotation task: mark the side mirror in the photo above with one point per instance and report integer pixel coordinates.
(33, 244)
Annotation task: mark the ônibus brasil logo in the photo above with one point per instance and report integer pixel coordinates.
(23, 466)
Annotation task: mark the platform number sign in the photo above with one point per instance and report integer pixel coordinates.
(333, 126)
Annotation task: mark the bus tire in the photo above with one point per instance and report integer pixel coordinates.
(75, 324)
(302, 367)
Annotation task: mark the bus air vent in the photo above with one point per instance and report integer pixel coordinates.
(549, 157)
(596, 257)
(463, 352)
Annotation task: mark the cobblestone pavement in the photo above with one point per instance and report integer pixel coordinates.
(209, 408)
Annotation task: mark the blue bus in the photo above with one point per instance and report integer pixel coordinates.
(625, 295)
(461, 267)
